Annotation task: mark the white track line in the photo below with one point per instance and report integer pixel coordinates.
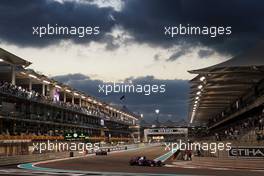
(183, 165)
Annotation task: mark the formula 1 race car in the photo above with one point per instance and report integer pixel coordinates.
(142, 161)
(101, 152)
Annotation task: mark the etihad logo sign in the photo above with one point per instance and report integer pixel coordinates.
(247, 152)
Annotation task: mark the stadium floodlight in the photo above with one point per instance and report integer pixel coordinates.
(202, 78)
(32, 76)
(57, 86)
(198, 93)
(141, 115)
(89, 99)
(83, 97)
(196, 102)
(195, 105)
(47, 82)
(67, 90)
(107, 107)
(157, 111)
(200, 86)
(197, 98)
(76, 94)
(1, 60)
(192, 117)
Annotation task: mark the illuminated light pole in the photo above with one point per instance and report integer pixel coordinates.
(157, 112)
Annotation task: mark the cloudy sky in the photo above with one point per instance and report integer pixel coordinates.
(131, 44)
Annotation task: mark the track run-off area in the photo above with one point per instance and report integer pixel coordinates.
(117, 163)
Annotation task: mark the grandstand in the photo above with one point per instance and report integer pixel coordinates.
(228, 99)
(34, 107)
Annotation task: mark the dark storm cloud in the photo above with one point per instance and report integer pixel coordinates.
(18, 17)
(203, 53)
(172, 103)
(145, 19)
(177, 55)
(156, 57)
(110, 44)
(182, 50)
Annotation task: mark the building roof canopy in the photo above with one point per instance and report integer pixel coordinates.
(215, 88)
(13, 59)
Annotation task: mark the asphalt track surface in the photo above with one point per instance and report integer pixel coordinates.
(118, 163)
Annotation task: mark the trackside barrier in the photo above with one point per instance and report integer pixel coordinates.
(16, 159)
(127, 147)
